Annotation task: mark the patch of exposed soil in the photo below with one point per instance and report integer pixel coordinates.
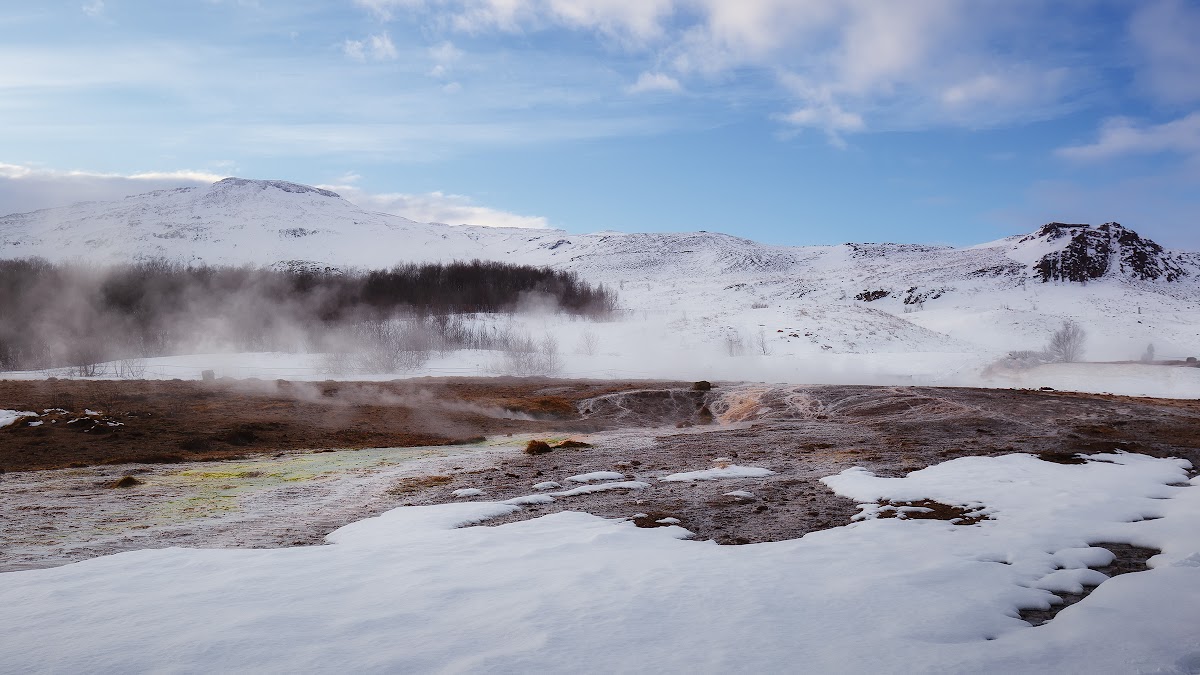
(178, 421)
(806, 433)
(801, 433)
(927, 509)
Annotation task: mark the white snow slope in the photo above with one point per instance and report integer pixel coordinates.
(406, 592)
(948, 311)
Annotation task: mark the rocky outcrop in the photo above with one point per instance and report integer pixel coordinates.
(1108, 250)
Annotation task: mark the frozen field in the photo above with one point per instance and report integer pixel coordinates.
(412, 590)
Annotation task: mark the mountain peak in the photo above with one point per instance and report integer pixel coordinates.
(247, 185)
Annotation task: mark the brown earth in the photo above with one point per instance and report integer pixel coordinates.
(806, 433)
(186, 421)
(649, 430)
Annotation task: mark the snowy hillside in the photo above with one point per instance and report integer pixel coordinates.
(946, 309)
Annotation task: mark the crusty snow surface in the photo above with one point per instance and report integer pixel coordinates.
(413, 591)
(7, 417)
(690, 300)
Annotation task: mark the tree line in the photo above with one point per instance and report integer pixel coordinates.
(55, 314)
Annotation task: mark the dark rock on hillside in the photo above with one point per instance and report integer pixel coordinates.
(872, 296)
(1106, 250)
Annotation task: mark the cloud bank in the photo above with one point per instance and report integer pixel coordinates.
(436, 207)
(26, 188)
(842, 66)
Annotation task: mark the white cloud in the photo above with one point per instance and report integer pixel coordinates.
(94, 8)
(866, 64)
(1016, 93)
(1122, 136)
(436, 207)
(829, 117)
(383, 8)
(632, 21)
(636, 21)
(28, 188)
(21, 171)
(374, 48)
(655, 82)
(1165, 32)
(1021, 86)
(444, 56)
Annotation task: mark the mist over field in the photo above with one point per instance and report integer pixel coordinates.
(67, 315)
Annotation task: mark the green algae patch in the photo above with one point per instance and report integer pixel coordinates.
(199, 506)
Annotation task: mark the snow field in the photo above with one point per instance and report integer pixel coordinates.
(407, 591)
(694, 305)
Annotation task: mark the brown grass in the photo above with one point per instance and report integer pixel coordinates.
(408, 486)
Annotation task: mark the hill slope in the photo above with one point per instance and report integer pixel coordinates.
(704, 290)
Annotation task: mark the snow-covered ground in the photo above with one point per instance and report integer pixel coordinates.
(652, 359)
(413, 591)
(694, 305)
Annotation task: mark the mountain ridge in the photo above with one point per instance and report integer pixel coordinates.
(846, 298)
(137, 226)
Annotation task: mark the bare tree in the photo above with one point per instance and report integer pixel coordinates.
(734, 345)
(760, 341)
(524, 356)
(131, 368)
(391, 345)
(548, 350)
(1066, 345)
(589, 344)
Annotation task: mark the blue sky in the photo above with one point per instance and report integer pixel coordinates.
(785, 121)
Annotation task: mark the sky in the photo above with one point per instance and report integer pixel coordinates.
(784, 121)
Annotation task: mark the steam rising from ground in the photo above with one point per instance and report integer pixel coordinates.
(324, 324)
(380, 321)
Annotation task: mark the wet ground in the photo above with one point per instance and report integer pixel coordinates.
(279, 495)
(85, 423)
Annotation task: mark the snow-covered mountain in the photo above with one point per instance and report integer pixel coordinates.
(810, 300)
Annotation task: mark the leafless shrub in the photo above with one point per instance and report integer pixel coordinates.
(733, 343)
(589, 344)
(337, 363)
(131, 369)
(90, 369)
(761, 342)
(525, 356)
(1067, 343)
(391, 346)
(548, 350)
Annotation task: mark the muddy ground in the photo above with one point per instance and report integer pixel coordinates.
(280, 492)
(133, 465)
(247, 464)
(806, 433)
(186, 421)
